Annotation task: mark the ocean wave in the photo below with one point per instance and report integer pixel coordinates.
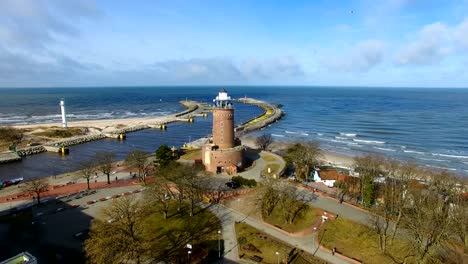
(413, 151)
(385, 149)
(291, 132)
(276, 135)
(368, 141)
(304, 134)
(441, 160)
(348, 134)
(343, 138)
(319, 134)
(442, 168)
(450, 156)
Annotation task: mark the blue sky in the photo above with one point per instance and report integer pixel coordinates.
(407, 43)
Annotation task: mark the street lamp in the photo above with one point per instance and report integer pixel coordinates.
(189, 247)
(219, 243)
(277, 255)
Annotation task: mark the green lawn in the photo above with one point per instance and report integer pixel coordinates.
(274, 170)
(356, 241)
(268, 158)
(253, 242)
(309, 217)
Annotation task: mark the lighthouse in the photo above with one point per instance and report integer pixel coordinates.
(64, 114)
(223, 154)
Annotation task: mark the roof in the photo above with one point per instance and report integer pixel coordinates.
(328, 174)
(332, 175)
(223, 91)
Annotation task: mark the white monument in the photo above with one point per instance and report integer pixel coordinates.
(64, 114)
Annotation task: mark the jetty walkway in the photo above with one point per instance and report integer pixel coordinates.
(119, 127)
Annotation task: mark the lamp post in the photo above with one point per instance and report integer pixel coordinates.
(277, 255)
(219, 243)
(189, 247)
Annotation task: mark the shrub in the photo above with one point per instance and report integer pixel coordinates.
(243, 181)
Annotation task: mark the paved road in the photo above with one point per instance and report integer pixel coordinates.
(342, 210)
(308, 244)
(255, 171)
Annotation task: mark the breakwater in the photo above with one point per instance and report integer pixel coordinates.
(270, 114)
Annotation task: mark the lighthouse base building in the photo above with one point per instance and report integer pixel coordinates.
(223, 153)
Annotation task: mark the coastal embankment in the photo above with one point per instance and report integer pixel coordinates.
(272, 113)
(100, 129)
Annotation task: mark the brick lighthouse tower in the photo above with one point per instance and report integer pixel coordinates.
(224, 152)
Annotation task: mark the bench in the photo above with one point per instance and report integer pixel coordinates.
(256, 258)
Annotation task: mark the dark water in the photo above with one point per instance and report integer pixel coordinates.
(429, 126)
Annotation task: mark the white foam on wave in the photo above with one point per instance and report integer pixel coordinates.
(348, 134)
(304, 134)
(368, 141)
(385, 149)
(343, 138)
(450, 156)
(441, 160)
(290, 132)
(276, 135)
(442, 168)
(413, 151)
(319, 134)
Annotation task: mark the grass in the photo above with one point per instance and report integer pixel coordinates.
(253, 242)
(61, 132)
(308, 218)
(203, 224)
(357, 241)
(268, 158)
(274, 169)
(191, 154)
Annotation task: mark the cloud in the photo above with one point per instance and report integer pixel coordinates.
(431, 46)
(18, 69)
(363, 57)
(461, 34)
(281, 67)
(32, 24)
(195, 70)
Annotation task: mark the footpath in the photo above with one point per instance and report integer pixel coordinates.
(309, 243)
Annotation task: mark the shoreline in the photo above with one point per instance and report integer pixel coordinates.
(329, 157)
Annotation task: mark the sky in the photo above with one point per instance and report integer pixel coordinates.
(390, 43)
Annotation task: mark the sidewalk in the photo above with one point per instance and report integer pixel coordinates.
(308, 244)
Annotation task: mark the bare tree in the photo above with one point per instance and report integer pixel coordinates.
(268, 197)
(87, 169)
(214, 191)
(104, 160)
(160, 193)
(293, 203)
(304, 157)
(119, 237)
(403, 174)
(428, 221)
(138, 159)
(36, 187)
(264, 141)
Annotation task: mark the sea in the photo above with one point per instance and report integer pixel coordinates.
(427, 126)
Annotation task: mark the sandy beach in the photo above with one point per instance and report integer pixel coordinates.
(329, 157)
